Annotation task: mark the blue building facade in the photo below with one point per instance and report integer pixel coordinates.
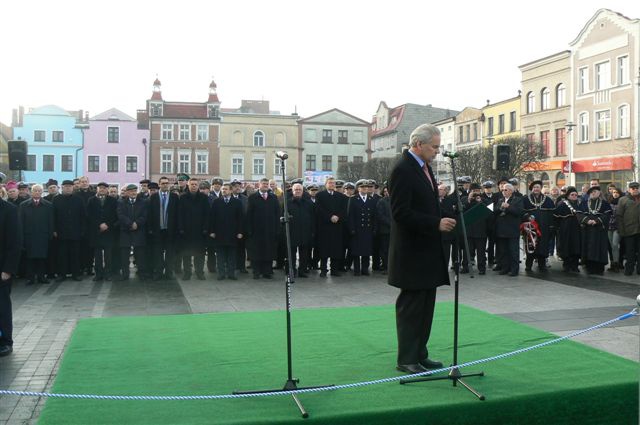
(55, 142)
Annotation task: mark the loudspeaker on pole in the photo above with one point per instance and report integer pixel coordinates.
(17, 154)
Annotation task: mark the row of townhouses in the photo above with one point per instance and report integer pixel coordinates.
(581, 104)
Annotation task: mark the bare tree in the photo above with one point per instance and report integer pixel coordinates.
(525, 155)
(351, 171)
(474, 162)
(379, 169)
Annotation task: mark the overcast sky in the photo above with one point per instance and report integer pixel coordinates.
(310, 55)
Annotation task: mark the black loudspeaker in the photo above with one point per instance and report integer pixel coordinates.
(17, 155)
(501, 157)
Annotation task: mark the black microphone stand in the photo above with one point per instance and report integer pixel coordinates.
(455, 375)
(291, 382)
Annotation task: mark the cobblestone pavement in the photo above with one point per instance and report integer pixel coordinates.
(45, 315)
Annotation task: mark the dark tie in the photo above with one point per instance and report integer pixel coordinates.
(226, 200)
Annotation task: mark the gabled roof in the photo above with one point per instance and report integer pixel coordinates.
(616, 17)
(396, 113)
(332, 113)
(112, 114)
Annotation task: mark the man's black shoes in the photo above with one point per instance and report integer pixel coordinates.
(430, 364)
(5, 350)
(411, 368)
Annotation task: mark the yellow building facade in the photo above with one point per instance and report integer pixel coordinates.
(501, 119)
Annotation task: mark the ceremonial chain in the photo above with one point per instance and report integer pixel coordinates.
(537, 204)
(595, 211)
(573, 210)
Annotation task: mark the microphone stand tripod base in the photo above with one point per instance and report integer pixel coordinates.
(455, 376)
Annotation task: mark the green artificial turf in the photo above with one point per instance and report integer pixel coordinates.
(219, 353)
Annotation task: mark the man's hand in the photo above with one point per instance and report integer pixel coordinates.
(6, 276)
(447, 224)
(134, 226)
(55, 234)
(591, 222)
(104, 227)
(504, 205)
(212, 235)
(239, 236)
(334, 218)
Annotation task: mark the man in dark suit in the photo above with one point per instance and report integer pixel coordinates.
(70, 217)
(508, 212)
(10, 244)
(193, 225)
(263, 225)
(416, 258)
(362, 218)
(331, 208)
(162, 224)
(225, 230)
(36, 217)
(132, 218)
(102, 215)
(241, 252)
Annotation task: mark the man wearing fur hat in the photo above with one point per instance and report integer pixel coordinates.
(539, 207)
(593, 215)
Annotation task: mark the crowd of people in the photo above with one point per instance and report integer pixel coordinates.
(592, 228)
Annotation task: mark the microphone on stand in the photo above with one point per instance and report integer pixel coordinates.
(450, 154)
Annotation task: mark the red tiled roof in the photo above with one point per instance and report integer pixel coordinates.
(184, 110)
(213, 98)
(396, 112)
(156, 95)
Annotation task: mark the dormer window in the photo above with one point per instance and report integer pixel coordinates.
(156, 109)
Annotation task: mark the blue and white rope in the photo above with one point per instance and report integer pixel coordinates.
(632, 313)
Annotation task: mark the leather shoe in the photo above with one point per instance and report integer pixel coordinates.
(513, 274)
(411, 368)
(5, 350)
(430, 364)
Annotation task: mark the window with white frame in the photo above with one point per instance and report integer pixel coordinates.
(545, 96)
(277, 170)
(237, 165)
(310, 163)
(258, 166)
(39, 135)
(561, 95)
(583, 80)
(132, 164)
(67, 163)
(202, 162)
(93, 164)
(531, 103)
(184, 162)
(622, 69)
(185, 132)
(166, 161)
(113, 134)
(47, 162)
(583, 123)
(258, 139)
(603, 75)
(603, 125)
(623, 121)
(167, 131)
(203, 132)
(57, 136)
(112, 164)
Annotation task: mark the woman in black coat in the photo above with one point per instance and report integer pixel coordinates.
(36, 216)
(566, 217)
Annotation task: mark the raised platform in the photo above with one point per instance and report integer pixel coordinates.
(219, 353)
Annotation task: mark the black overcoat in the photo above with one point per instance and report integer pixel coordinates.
(302, 224)
(37, 227)
(98, 213)
(542, 209)
(70, 217)
(263, 226)
(479, 229)
(155, 210)
(10, 237)
(595, 239)
(568, 240)
(331, 235)
(193, 221)
(362, 220)
(128, 213)
(226, 221)
(508, 221)
(416, 257)
(383, 216)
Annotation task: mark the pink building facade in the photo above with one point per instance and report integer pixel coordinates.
(115, 150)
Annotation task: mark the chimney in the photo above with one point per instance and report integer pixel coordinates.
(20, 115)
(14, 117)
(86, 116)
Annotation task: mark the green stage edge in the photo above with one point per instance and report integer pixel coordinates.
(566, 383)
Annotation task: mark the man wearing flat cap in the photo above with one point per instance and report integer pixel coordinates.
(362, 219)
(102, 215)
(183, 181)
(10, 243)
(70, 226)
(52, 191)
(539, 207)
(628, 217)
(132, 219)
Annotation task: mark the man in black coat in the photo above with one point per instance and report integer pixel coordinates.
(331, 208)
(102, 215)
(416, 259)
(193, 225)
(263, 225)
(36, 217)
(302, 228)
(508, 212)
(362, 219)
(132, 220)
(70, 217)
(225, 230)
(541, 207)
(85, 192)
(162, 225)
(477, 232)
(10, 244)
(241, 251)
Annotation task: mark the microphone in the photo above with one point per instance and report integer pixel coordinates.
(282, 155)
(449, 154)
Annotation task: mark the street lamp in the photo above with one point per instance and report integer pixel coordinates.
(570, 126)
